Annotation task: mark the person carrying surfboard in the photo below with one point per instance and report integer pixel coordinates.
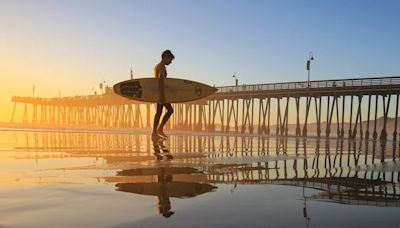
(160, 72)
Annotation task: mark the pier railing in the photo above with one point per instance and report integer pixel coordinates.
(322, 84)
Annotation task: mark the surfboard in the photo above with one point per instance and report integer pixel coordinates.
(175, 90)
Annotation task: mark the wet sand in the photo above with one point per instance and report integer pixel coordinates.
(70, 179)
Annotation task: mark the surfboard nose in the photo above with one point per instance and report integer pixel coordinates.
(116, 88)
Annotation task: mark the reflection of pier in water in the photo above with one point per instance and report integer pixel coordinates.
(347, 171)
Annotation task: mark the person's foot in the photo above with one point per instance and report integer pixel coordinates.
(155, 135)
(158, 156)
(161, 133)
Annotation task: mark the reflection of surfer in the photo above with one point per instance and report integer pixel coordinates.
(160, 72)
(164, 204)
(157, 151)
(160, 149)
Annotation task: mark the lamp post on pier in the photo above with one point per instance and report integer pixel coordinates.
(131, 73)
(310, 58)
(236, 79)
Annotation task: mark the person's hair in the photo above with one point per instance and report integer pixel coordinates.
(167, 53)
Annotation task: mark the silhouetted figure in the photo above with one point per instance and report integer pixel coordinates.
(160, 72)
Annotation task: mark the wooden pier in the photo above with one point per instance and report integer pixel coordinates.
(359, 107)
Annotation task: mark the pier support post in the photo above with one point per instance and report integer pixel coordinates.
(343, 111)
(308, 104)
(317, 101)
(358, 119)
(383, 136)
(351, 118)
(269, 115)
(278, 117)
(395, 120)
(298, 132)
(375, 134)
(328, 115)
(368, 118)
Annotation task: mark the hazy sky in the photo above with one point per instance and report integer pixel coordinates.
(68, 47)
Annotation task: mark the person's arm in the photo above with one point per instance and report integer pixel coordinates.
(161, 76)
(161, 89)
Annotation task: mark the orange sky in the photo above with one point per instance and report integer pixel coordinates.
(19, 73)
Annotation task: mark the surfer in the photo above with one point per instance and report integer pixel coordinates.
(160, 72)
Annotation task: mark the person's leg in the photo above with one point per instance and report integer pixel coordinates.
(157, 118)
(167, 115)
